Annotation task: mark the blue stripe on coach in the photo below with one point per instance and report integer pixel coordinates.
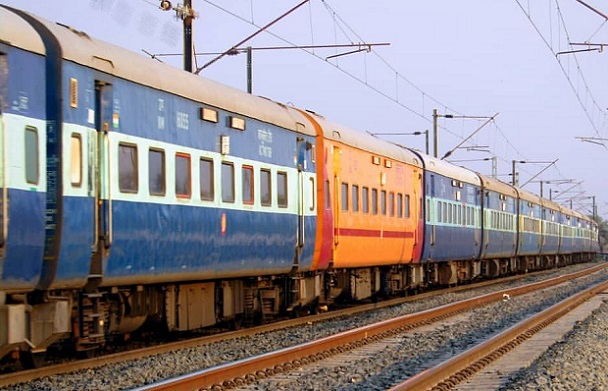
(76, 243)
(22, 262)
(161, 243)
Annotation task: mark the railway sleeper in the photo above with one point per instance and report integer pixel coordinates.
(30, 324)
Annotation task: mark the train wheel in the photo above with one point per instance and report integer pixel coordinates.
(236, 323)
(32, 360)
(87, 353)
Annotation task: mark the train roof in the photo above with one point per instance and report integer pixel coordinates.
(498, 186)
(569, 212)
(80, 48)
(527, 196)
(365, 141)
(449, 170)
(14, 29)
(552, 205)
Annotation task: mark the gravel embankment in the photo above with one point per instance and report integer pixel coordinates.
(416, 348)
(578, 362)
(419, 350)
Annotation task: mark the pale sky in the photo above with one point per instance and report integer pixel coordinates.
(467, 58)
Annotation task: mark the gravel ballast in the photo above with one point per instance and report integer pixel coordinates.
(414, 351)
(578, 362)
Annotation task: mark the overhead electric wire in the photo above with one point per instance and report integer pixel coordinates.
(572, 86)
(352, 76)
(398, 75)
(582, 75)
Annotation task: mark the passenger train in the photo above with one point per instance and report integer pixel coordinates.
(130, 190)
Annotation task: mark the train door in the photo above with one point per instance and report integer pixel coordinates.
(306, 192)
(336, 197)
(433, 211)
(302, 147)
(3, 189)
(90, 311)
(418, 213)
(101, 177)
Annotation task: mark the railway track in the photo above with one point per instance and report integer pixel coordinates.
(497, 373)
(484, 366)
(411, 321)
(284, 368)
(25, 376)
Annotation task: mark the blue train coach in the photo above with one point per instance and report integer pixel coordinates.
(452, 233)
(144, 190)
(499, 234)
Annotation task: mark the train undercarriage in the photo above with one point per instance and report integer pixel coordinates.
(86, 321)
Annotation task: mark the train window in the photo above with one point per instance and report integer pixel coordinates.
(76, 160)
(365, 199)
(451, 213)
(282, 199)
(439, 212)
(391, 204)
(265, 187)
(428, 210)
(127, 168)
(399, 205)
(183, 175)
(32, 174)
(247, 184)
(383, 202)
(327, 195)
(207, 179)
(355, 197)
(374, 201)
(344, 197)
(227, 182)
(407, 206)
(156, 172)
(312, 194)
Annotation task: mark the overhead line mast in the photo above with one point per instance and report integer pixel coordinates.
(187, 14)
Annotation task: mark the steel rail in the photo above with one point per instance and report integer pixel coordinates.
(448, 374)
(25, 376)
(246, 370)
